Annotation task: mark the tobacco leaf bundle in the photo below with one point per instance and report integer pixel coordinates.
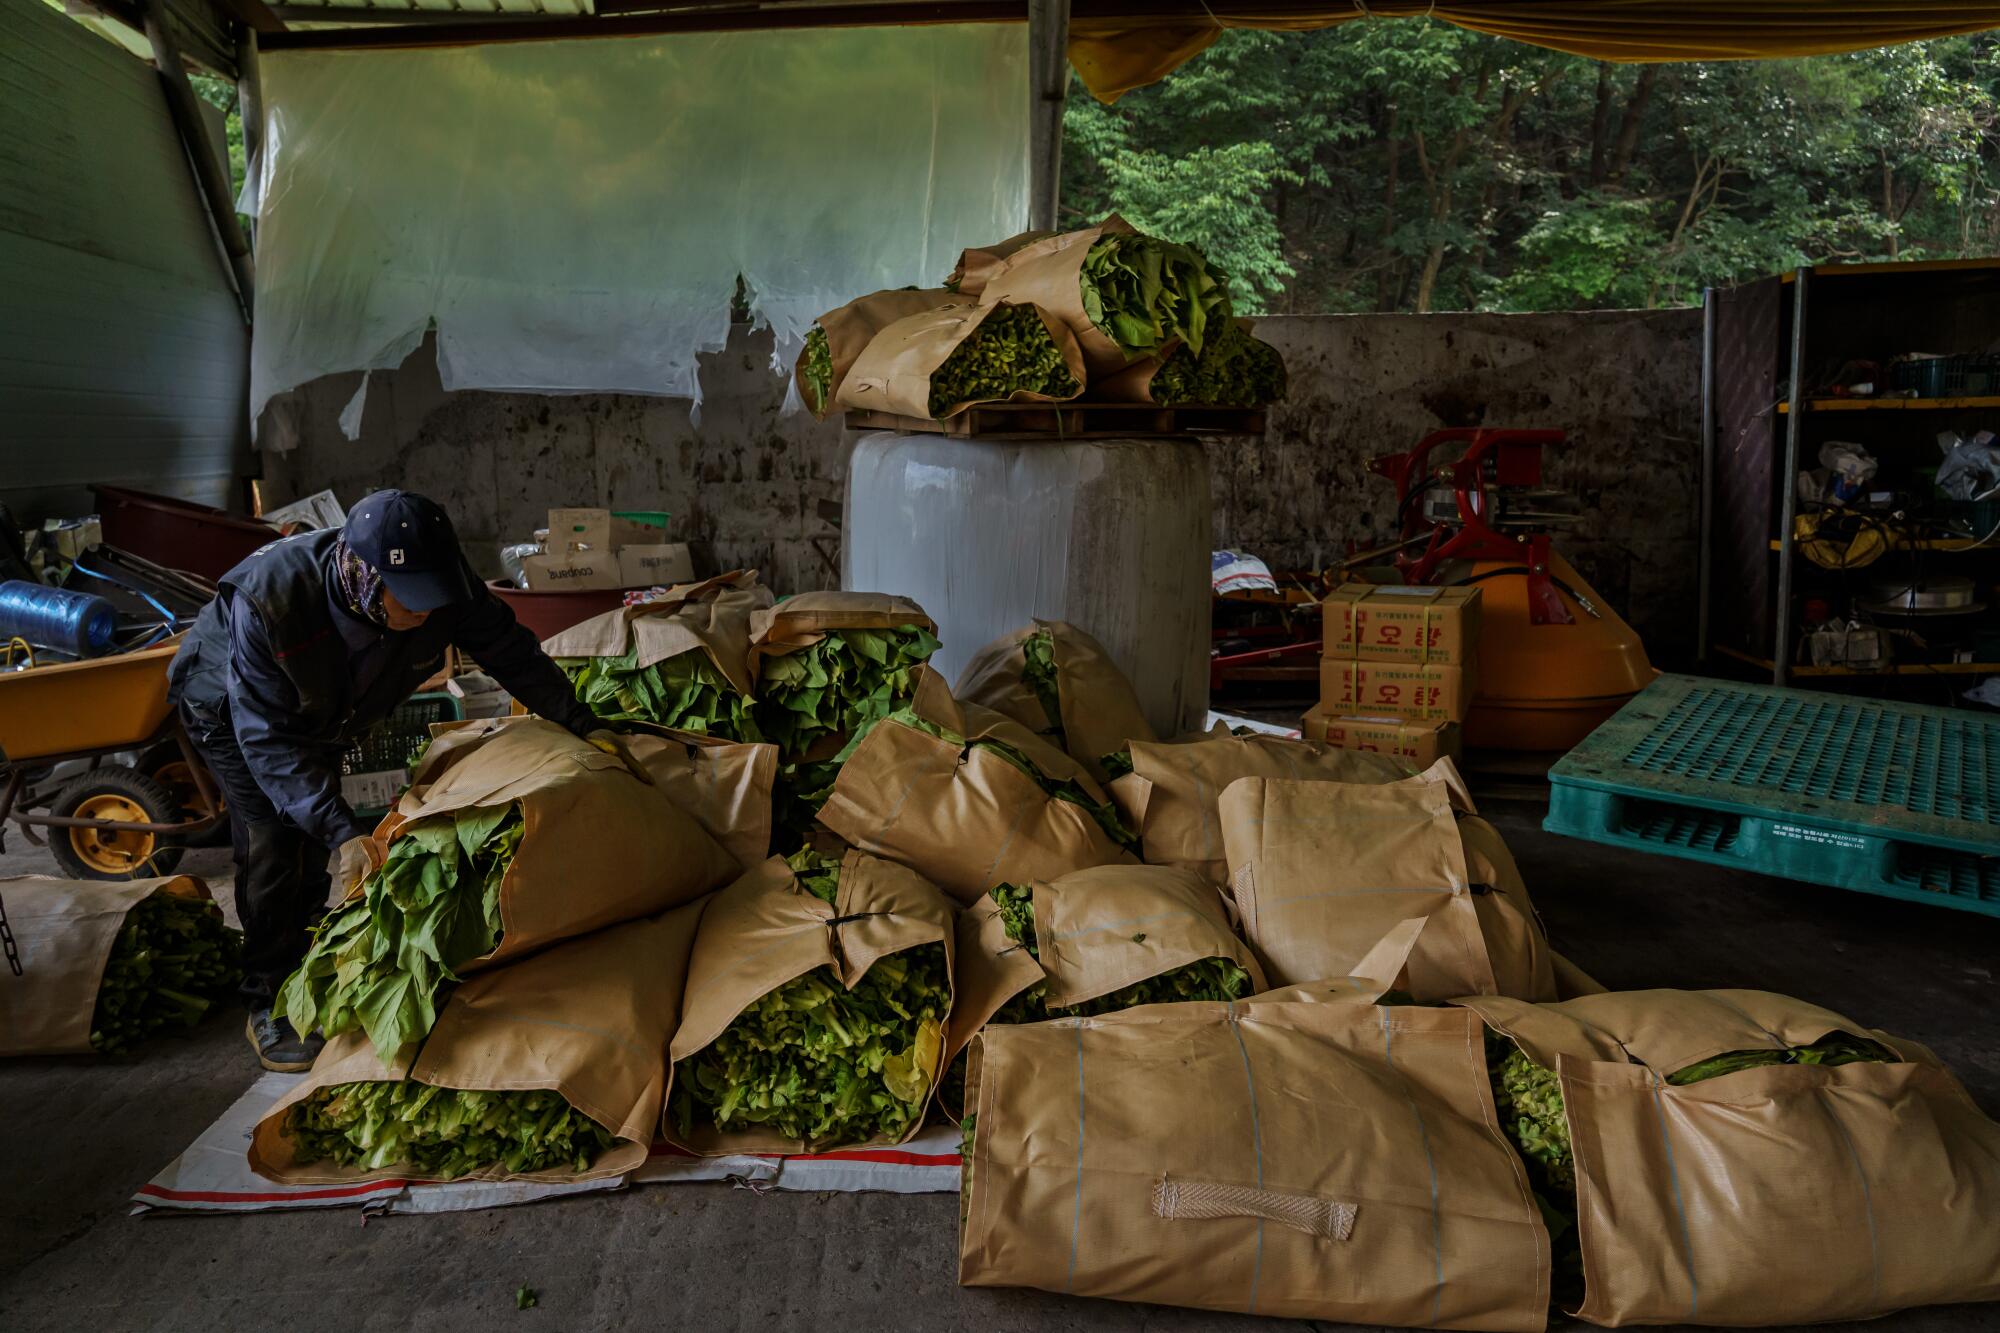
(443, 1132)
(796, 797)
(379, 964)
(1065, 789)
(846, 682)
(684, 691)
(1010, 352)
(1038, 673)
(1233, 370)
(1143, 293)
(817, 373)
(172, 960)
(1204, 979)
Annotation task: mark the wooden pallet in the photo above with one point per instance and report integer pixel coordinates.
(1069, 421)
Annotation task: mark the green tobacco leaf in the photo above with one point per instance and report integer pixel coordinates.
(820, 1063)
(686, 691)
(380, 964)
(1834, 1049)
(817, 370)
(1234, 370)
(172, 961)
(1038, 672)
(1143, 293)
(818, 874)
(444, 1132)
(845, 683)
(1010, 352)
(796, 797)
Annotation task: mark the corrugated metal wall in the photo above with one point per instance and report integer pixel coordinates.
(123, 354)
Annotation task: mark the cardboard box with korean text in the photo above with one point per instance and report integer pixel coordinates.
(1420, 744)
(1396, 623)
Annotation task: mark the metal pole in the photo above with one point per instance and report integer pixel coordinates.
(250, 107)
(1788, 480)
(1706, 538)
(210, 176)
(1048, 85)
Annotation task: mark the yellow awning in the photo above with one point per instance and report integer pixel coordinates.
(1114, 56)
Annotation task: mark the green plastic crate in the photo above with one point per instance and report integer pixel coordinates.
(1896, 799)
(387, 745)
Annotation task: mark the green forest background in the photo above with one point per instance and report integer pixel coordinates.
(1414, 166)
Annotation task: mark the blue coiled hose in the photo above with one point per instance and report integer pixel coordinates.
(76, 623)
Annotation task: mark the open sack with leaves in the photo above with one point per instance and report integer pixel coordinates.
(1060, 683)
(1306, 1154)
(828, 666)
(1233, 369)
(104, 965)
(1320, 871)
(837, 338)
(552, 1068)
(1741, 1158)
(1125, 295)
(971, 799)
(815, 1010)
(682, 661)
(1169, 790)
(513, 835)
(1094, 942)
(937, 364)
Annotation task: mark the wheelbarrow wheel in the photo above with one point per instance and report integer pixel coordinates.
(126, 796)
(165, 765)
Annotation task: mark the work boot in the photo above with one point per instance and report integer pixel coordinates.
(279, 1046)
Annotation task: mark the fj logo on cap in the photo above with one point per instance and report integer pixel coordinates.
(396, 555)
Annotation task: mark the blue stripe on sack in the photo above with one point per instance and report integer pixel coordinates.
(1423, 1132)
(1680, 1210)
(1257, 1147)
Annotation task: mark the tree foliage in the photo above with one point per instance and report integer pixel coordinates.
(1412, 165)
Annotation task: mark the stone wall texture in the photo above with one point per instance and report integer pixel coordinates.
(752, 486)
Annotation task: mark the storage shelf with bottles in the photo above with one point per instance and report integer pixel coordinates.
(1770, 352)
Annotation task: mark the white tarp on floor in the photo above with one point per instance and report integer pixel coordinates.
(214, 1175)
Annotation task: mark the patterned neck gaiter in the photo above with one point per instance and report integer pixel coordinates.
(360, 583)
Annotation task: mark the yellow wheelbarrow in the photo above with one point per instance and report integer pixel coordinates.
(111, 821)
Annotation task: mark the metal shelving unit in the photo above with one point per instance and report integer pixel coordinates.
(1765, 347)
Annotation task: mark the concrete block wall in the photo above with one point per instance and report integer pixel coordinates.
(746, 483)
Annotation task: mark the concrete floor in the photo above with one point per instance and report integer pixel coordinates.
(81, 1134)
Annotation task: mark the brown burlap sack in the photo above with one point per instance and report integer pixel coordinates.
(765, 930)
(725, 785)
(1099, 709)
(1171, 793)
(1097, 931)
(712, 616)
(602, 844)
(589, 1019)
(893, 373)
(853, 326)
(1779, 1195)
(802, 621)
(64, 930)
(1319, 871)
(959, 813)
(1049, 272)
(1326, 1160)
(979, 262)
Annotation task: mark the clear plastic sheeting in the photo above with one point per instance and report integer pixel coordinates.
(573, 215)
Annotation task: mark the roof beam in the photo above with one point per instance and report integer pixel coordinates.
(392, 35)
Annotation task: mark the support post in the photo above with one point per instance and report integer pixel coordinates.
(1788, 479)
(1706, 535)
(1048, 86)
(250, 105)
(210, 176)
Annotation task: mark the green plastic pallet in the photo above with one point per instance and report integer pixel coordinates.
(1896, 799)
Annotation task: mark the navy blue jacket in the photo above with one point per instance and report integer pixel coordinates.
(298, 677)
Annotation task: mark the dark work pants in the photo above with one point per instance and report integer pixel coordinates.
(281, 874)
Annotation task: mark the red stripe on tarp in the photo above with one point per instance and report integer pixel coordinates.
(242, 1196)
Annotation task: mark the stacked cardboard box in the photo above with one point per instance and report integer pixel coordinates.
(1398, 669)
(593, 549)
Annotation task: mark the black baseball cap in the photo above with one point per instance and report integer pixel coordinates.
(409, 540)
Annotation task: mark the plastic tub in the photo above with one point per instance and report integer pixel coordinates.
(549, 613)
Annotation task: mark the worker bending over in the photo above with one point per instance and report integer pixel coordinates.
(310, 641)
